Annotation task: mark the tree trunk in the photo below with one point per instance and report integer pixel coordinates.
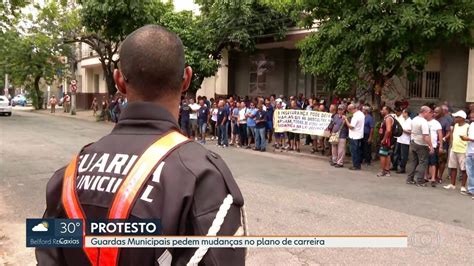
(38, 99)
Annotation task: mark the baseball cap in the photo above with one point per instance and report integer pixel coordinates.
(278, 100)
(460, 113)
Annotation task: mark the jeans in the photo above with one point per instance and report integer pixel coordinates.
(185, 127)
(244, 140)
(223, 137)
(400, 157)
(419, 162)
(251, 132)
(202, 127)
(470, 172)
(366, 149)
(260, 142)
(356, 152)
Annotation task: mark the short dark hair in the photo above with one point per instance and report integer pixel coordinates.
(152, 61)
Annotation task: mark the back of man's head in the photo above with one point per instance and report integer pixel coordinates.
(152, 62)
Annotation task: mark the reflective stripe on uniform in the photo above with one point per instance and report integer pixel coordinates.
(126, 195)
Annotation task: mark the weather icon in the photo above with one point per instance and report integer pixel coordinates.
(41, 227)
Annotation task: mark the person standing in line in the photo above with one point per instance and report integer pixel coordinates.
(251, 112)
(260, 128)
(214, 111)
(222, 116)
(403, 145)
(399, 117)
(457, 155)
(203, 120)
(420, 147)
(294, 138)
(235, 124)
(436, 135)
(53, 101)
(242, 120)
(369, 125)
(356, 134)
(338, 151)
(470, 157)
(445, 120)
(193, 118)
(385, 133)
(279, 136)
(269, 120)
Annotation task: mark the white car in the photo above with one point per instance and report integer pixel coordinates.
(5, 107)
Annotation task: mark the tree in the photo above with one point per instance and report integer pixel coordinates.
(371, 41)
(233, 25)
(31, 54)
(105, 24)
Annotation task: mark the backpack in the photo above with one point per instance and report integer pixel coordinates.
(397, 129)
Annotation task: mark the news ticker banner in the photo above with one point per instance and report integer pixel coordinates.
(146, 233)
(301, 121)
(247, 241)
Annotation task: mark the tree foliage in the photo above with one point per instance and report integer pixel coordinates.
(34, 52)
(104, 24)
(371, 41)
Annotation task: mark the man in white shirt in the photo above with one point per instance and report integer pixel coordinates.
(193, 117)
(420, 147)
(402, 147)
(436, 135)
(356, 134)
(470, 157)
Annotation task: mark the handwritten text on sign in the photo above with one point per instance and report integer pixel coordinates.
(301, 121)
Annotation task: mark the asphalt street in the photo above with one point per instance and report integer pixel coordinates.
(285, 193)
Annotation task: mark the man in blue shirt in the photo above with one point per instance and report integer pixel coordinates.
(203, 120)
(251, 112)
(269, 118)
(368, 135)
(222, 117)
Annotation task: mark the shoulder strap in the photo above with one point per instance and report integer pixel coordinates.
(126, 195)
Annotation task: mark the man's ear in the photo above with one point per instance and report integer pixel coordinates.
(187, 77)
(120, 82)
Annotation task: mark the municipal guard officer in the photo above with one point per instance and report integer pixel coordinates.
(164, 174)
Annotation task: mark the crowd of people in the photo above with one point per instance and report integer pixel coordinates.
(419, 144)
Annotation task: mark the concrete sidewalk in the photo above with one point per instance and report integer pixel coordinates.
(86, 115)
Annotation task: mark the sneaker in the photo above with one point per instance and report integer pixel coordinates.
(466, 193)
(401, 171)
(339, 166)
(450, 186)
(421, 184)
(387, 174)
(354, 168)
(224, 146)
(411, 182)
(381, 174)
(332, 164)
(263, 150)
(463, 189)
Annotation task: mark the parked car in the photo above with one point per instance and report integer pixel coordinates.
(5, 107)
(19, 100)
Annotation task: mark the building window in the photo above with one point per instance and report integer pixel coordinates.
(424, 86)
(259, 66)
(96, 83)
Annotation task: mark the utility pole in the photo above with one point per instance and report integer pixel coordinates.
(6, 86)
